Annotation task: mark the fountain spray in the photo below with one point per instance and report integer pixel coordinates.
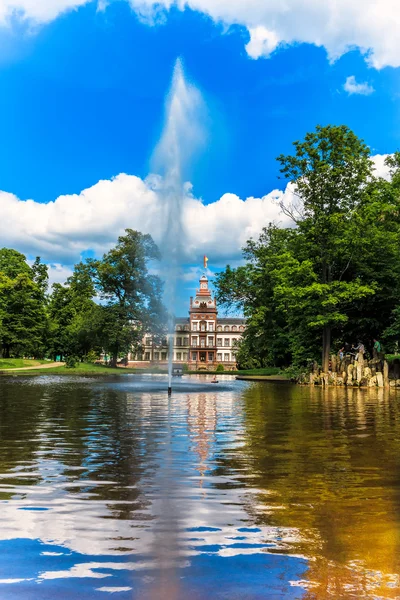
(181, 138)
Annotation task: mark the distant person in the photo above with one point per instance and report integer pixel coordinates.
(341, 353)
(377, 349)
(360, 350)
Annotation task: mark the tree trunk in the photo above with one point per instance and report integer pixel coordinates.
(326, 348)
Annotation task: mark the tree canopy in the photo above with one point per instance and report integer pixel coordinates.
(333, 277)
(105, 305)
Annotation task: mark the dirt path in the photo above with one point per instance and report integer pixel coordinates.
(45, 366)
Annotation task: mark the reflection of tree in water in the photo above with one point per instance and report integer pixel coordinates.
(202, 423)
(329, 463)
(95, 443)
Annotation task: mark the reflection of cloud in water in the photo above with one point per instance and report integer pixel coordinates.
(72, 507)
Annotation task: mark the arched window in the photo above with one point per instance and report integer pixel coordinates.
(241, 328)
(178, 328)
(234, 328)
(219, 328)
(226, 328)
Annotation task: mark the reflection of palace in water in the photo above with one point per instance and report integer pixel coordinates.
(202, 340)
(202, 423)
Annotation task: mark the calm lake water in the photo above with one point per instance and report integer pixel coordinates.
(108, 489)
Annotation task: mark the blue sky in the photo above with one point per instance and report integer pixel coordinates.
(82, 100)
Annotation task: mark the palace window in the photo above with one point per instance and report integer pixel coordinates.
(194, 341)
(234, 341)
(179, 356)
(203, 342)
(186, 328)
(219, 357)
(219, 341)
(241, 328)
(164, 341)
(179, 341)
(210, 357)
(219, 328)
(226, 342)
(194, 355)
(211, 327)
(203, 326)
(194, 326)
(226, 357)
(147, 356)
(234, 328)
(156, 356)
(186, 341)
(185, 356)
(148, 341)
(226, 328)
(178, 328)
(163, 356)
(210, 341)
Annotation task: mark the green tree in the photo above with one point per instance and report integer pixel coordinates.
(129, 293)
(251, 288)
(330, 171)
(23, 318)
(74, 315)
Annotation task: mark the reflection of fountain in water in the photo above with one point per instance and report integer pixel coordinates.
(179, 141)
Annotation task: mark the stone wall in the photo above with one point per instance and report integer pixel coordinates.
(355, 371)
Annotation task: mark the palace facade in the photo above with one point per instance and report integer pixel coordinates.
(201, 340)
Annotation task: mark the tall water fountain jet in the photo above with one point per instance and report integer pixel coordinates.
(182, 137)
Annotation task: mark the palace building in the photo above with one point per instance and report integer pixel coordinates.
(201, 340)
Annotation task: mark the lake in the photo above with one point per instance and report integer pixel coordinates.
(110, 489)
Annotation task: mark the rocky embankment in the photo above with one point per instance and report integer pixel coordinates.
(355, 371)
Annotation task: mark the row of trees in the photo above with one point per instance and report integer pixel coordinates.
(334, 275)
(105, 305)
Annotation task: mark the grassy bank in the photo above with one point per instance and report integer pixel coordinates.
(81, 369)
(92, 369)
(266, 371)
(17, 363)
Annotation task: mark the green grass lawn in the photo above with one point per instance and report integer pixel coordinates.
(266, 371)
(16, 363)
(81, 369)
(91, 369)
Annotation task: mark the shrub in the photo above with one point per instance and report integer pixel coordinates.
(185, 367)
(92, 356)
(71, 362)
(220, 368)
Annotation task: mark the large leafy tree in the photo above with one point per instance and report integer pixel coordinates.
(130, 295)
(23, 318)
(334, 276)
(74, 315)
(251, 288)
(330, 171)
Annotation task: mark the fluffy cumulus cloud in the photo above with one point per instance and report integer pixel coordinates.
(62, 230)
(337, 25)
(351, 86)
(38, 11)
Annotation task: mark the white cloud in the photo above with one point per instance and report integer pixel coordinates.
(337, 25)
(262, 42)
(352, 87)
(381, 170)
(60, 231)
(38, 11)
